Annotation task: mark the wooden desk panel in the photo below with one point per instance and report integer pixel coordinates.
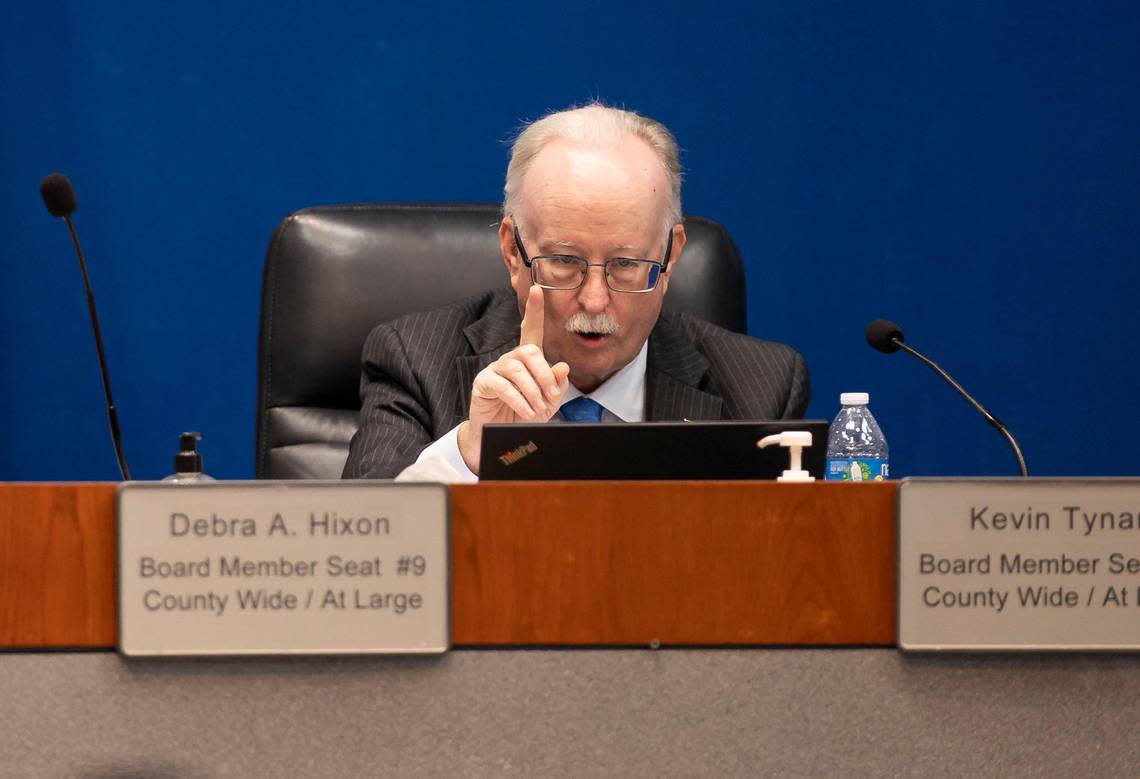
(57, 565)
(559, 563)
(675, 562)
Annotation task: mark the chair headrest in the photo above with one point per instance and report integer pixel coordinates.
(333, 273)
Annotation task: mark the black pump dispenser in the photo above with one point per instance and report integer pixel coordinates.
(188, 460)
(188, 463)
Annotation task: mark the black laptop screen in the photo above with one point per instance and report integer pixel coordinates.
(645, 450)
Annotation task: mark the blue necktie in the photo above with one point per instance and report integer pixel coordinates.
(582, 410)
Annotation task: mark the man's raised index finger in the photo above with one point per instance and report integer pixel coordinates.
(533, 318)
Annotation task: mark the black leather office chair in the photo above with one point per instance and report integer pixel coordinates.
(334, 272)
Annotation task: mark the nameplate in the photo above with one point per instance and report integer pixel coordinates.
(259, 568)
(1019, 564)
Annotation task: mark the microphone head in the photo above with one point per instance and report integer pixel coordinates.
(882, 334)
(58, 194)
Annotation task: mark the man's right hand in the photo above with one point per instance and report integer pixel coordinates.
(520, 386)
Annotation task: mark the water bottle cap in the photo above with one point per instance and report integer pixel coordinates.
(854, 398)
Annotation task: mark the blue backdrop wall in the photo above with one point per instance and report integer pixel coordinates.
(970, 170)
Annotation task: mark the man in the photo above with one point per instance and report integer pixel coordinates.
(591, 236)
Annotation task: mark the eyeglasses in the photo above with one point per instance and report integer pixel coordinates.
(623, 274)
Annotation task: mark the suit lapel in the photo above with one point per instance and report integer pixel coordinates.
(674, 370)
(490, 337)
(674, 373)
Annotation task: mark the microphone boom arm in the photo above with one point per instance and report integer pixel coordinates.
(112, 416)
(997, 423)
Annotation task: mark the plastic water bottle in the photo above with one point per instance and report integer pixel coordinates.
(856, 447)
(188, 462)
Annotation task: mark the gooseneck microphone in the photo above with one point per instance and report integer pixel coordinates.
(59, 197)
(887, 338)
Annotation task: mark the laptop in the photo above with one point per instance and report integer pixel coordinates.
(645, 450)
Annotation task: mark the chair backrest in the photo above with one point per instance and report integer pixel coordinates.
(332, 273)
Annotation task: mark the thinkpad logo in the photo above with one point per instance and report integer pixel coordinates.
(513, 456)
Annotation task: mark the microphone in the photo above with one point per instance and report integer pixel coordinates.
(884, 336)
(59, 197)
(887, 337)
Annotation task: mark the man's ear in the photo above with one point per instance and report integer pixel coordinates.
(509, 251)
(679, 239)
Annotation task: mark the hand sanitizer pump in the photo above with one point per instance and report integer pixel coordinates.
(188, 462)
(795, 441)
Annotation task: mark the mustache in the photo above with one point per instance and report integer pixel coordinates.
(602, 323)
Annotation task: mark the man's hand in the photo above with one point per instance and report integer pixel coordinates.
(520, 386)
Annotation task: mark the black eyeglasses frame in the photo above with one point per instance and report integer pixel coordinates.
(529, 263)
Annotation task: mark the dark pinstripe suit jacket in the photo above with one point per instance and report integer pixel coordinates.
(418, 371)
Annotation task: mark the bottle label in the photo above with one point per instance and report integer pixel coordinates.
(857, 469)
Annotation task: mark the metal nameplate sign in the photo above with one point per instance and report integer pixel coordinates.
(236, 568)
(1019, 564)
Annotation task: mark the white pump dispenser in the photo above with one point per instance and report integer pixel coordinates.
(795, 440)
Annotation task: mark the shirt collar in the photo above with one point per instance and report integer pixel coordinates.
(622, 394)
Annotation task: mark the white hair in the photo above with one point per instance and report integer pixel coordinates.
(594, 126)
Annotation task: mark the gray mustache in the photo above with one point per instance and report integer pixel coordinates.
(597, 323)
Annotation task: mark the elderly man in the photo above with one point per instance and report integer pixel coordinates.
(591, 236)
